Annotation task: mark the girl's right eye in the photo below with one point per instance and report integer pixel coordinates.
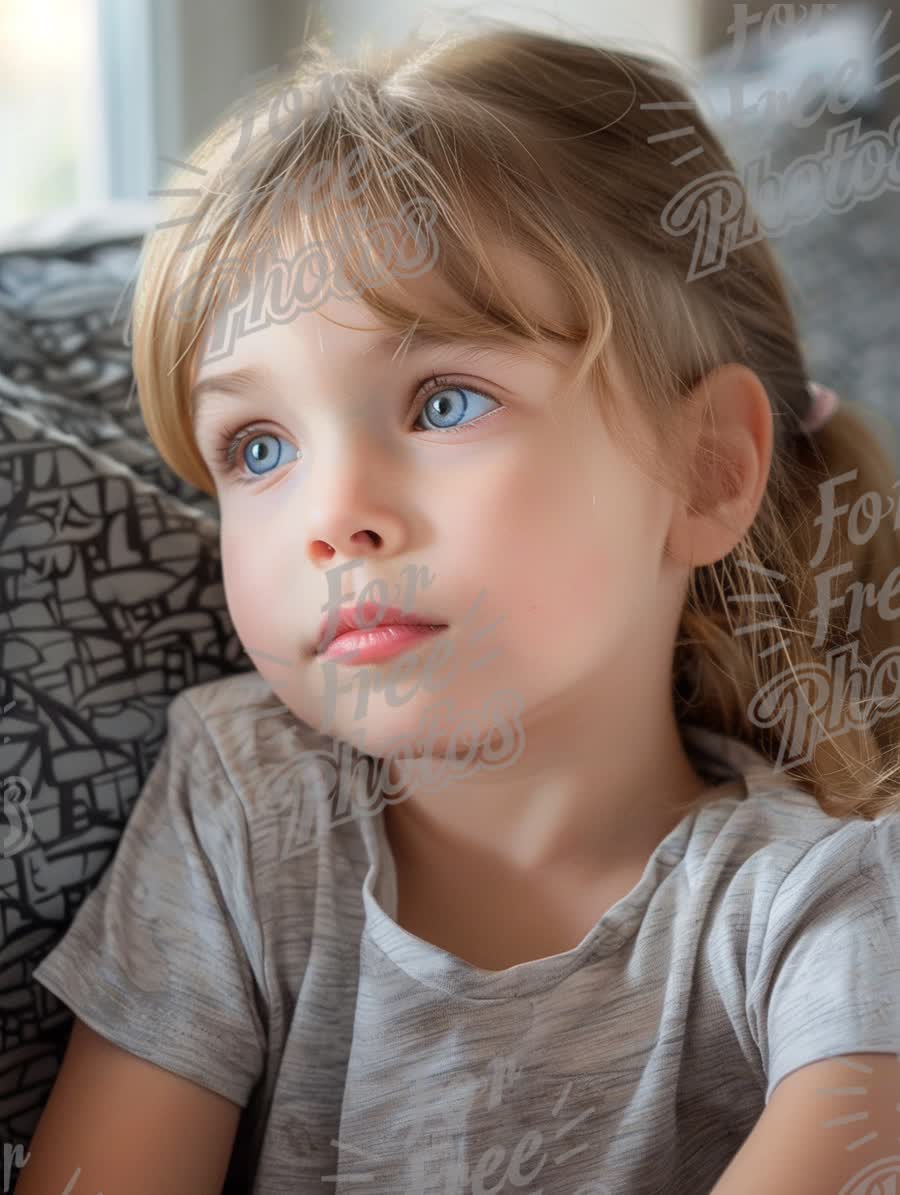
(264, 455)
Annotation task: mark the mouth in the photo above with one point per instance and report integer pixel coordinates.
(370, 628)
(379, 643)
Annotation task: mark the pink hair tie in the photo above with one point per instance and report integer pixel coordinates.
(824, 402)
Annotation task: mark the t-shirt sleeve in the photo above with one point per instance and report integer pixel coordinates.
(164, 956)
(827, 975)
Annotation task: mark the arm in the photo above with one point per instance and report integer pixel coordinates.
(117, 1124)
(822, 1010)
(830, 1128)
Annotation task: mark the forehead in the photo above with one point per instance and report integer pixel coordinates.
(519, 275)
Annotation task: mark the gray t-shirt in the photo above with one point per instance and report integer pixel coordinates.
(243, 937)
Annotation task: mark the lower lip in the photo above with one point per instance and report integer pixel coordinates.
(380, 643)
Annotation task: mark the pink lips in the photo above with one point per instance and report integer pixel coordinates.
(395, 631)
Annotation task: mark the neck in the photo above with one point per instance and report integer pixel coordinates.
(598, 784)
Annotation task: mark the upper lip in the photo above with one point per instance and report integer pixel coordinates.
(369, 615)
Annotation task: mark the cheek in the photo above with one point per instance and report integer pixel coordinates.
(259, 620)
(567, 548)
(502, 548)
(243, 595)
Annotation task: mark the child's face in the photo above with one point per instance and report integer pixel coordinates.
(530, 507)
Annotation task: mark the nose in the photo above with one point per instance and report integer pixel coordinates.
(351, 512)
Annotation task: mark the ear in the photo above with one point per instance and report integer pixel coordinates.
(727, 454)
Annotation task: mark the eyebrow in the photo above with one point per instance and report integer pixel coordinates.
(241, 382)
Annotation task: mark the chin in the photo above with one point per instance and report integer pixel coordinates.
(458, 737)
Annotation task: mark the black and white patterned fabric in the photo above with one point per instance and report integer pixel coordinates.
(112, 599)
(112, 603)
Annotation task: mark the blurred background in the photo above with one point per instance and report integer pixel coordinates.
(95, 95)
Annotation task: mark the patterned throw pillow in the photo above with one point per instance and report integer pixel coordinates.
(112, 603)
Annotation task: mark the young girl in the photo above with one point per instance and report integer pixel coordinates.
(553, 844)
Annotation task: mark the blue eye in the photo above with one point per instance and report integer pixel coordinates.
(258, 452)
(262, 452)
(449, 406)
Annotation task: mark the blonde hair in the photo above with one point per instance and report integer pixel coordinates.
(560, 149)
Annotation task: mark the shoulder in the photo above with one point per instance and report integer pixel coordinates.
(292, 781)
(799, 913)
(835, 873)
(768, 825)
(227, 702)
(770, 859)
(782, 863)
(821, 955)
(246, 730)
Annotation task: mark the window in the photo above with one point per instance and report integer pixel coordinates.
(52, 151)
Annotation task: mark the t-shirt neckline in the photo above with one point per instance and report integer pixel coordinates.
(438, 968)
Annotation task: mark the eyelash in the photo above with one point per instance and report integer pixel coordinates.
(230, 439)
